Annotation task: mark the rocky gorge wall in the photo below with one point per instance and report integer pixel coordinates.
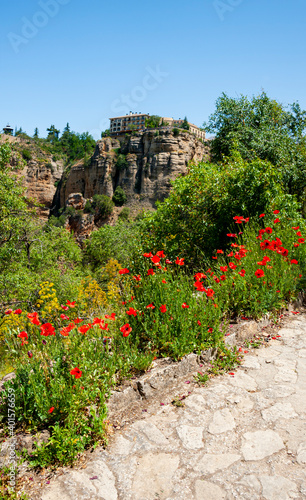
(152, 160)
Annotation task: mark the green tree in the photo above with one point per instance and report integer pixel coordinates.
(185, 124)
(119, 197)
(36, 133)
(53, 134)
(261, 127)
(153, 121)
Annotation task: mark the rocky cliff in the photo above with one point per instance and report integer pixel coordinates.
(148, 162)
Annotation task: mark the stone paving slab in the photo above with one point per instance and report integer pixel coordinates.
(238, 437)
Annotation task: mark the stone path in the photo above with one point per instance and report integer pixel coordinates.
(238, 437)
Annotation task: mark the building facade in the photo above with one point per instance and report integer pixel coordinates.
(137, 121)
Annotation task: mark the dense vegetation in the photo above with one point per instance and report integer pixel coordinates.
(229, 241)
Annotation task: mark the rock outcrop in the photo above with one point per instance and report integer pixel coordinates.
(151, 160)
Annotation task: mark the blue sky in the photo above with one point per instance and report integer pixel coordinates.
(82, 61)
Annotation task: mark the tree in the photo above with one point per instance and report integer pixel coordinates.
(185, 124)
(36, 132)
(261, 127)
(153, 121)
(53, 134)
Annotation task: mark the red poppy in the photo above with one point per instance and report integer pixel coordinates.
(70, 304)
(110, 316)
(150, 272)
(131, 312)
(150, 306)
(148, 255)
(285, 252)
(51, 409)
(8, 311)
(76, 372)
(65, 331)
(242, 272)
(269, 230)
(276, 220)
(23, 335)
(64, 307)
(155, 259)
(47, 329)
(126, 330)
(215, 258)
(210, 330)
(301, 240)
(222, 277)
(299, 233)
(262, 215)
(185, 306)
(223, 269)
(199, 276)
(220, 251)
(163, 308)
(33, 318)
(104, 327)
(97, 321)
(294, 261)
(199, 322)
(83, 329)
(18, 311)
(199, 286)
(209, 292)
(259, 273)
(179, 262)
(232, 235)
(161, 254)
(296, 228)
(63, 316)
(276, 212)
(168, 261)
(232, 265)
(164, 281)
(124, 271)
(137, 278)
(230, 254)
(30, 354)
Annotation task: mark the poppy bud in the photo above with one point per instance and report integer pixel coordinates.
(44, 342)
(30, 354)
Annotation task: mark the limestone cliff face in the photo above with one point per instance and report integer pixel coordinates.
(151, 161)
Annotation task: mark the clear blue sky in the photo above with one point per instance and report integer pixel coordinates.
(82, 61)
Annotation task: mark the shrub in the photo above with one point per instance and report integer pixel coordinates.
(119, 197)
(124, 214)
(103, 205)
(26, 154)
(88, 209)
(121, 162)
(176, 132)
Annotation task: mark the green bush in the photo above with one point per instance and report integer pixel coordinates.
(121, 162)
(176, 132)
(88, 209)
(26, 154)
(119, 197)
(124, 214)
(103, 205)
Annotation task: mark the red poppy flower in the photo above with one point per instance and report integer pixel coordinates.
(276, 212)
(242, 272)
(163, 308)
(269, 230)
(150, 272)
(276, 220)
(8, 311)
(51, 409)
(65, 331)
(168, 261)
(64, 307)
(110, 316)
(199, 286)
(104, 327)
(126, 330)
(259, 273)
(300, 240)
(296, 245)
(164, 281)
(83, 329)
(124, 271)
(294, 261)
(222, 277)
(209, 292)
(185, 306)
(63, 316)
(70, 304)
(284, 252)
(23, 335)
(33, 318)
(160, 254)
(215, 258)
(30, 354)
(232, 265)
(148, 255)
(137, 278)
(262, 215)
(296, 228)
(150, 306)
(47, 329)
(210, 330)
(97, 321)
(230, 254)
(232, 235)
(131, 312)
(262, 263)
(299, 233)
(76, 372)
(199, 276)
(155, 259)
(199, 322)
(179, 262)
(18, 311)
(220, 251)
